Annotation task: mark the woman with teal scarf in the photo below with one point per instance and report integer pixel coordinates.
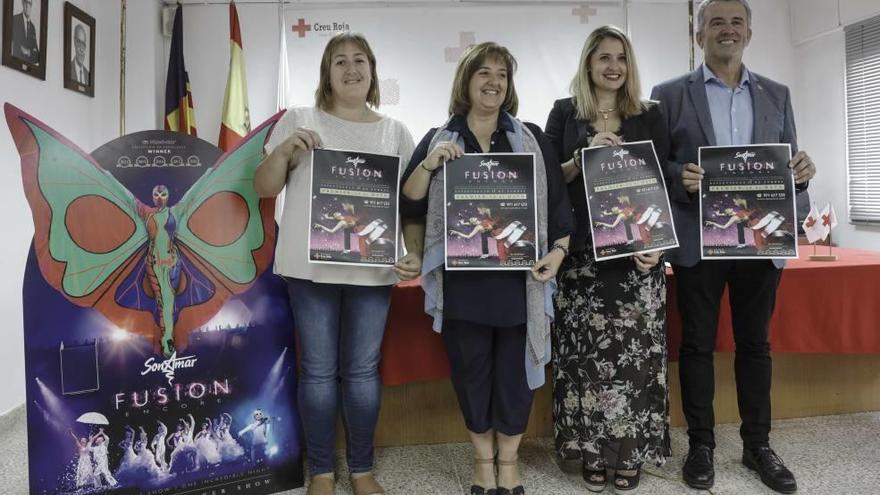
(495, 324)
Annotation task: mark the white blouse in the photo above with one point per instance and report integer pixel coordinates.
(386, 136)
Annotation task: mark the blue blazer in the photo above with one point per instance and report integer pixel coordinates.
(684, 103)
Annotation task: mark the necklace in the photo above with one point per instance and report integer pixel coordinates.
(605, 113)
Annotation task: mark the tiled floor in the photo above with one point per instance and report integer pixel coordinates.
(829, 455)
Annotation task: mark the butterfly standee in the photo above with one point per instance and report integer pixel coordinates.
(159, 270)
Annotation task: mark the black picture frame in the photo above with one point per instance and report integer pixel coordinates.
(79, 50)
(24, 41)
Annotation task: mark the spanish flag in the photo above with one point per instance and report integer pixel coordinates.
(179, 114)
(236, 122)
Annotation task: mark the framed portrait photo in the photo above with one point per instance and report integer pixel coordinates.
(79, 50)
(24, 36)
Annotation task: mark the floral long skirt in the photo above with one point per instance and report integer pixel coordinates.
(609, 363)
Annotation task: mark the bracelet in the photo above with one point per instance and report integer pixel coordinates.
(426, 168)
(560, 246)
(576, 156)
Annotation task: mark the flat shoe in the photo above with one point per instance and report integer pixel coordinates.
(366, 485)
(321, 485)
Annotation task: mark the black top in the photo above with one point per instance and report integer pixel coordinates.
(567, 133)
(496, 298)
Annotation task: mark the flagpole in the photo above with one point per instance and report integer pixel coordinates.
(823, 257)
(122, 69)
(691, 34)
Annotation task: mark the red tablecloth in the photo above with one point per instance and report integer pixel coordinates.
(821, 307)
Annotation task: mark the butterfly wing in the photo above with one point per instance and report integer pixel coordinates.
(225, 231)
(88, 236)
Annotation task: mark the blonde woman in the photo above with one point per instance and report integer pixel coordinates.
(609, 347)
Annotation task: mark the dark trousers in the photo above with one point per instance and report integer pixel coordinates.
(752, 288)
(489, 375)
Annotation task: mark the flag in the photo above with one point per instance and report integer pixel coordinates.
(236, 121)
(283, 96)
(812, 226)
(179, 113)
(829, 220)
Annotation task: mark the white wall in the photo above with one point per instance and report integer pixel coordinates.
(67, 112)
(820, 105)
(658, 27)
(206, 52)
(544, 47)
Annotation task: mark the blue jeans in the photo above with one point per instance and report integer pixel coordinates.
(340, 334)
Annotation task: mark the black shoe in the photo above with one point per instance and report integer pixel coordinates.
(596, 478)
(771, 469)
(479, 490)
(623, 483)
(699, 467)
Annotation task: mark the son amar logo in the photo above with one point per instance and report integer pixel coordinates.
(168, 366)
(746, 165)
(353, 168)
(175, 392)
(475, 175)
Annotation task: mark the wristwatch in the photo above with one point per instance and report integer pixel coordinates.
(562, 248)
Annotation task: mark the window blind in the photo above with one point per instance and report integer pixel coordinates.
(863, 120)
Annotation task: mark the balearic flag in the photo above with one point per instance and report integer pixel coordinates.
(828, 220)
(236, 121)
(812, 226)
(179, 113)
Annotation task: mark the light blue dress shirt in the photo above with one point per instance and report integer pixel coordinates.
(732, 114)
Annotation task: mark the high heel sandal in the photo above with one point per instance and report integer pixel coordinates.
(517, 490)
(624, 483)
(596, 478)
(479, 490)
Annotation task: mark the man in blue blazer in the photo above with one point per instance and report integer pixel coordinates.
(723, 103)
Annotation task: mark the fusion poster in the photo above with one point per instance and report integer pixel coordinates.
(159, 351)
(354, 208)
(627, 199)
(490, 214)
(747, 202)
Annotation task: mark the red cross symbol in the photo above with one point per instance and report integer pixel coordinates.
(826, 220)
(584, 12)
(464, 40)
(810, 222)
(301, 27)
